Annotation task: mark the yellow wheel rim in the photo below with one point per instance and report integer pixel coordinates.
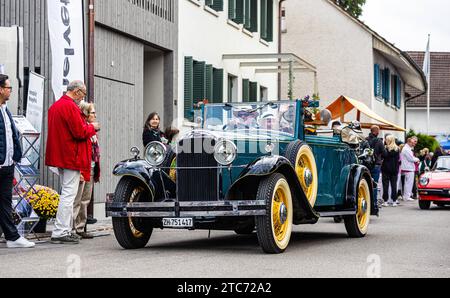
(136, 233)
(306, 170)
(364, 205)
(282, 214)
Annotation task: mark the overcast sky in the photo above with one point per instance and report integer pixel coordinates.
(407, 23)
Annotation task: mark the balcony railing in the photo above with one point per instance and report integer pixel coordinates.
(164, 9)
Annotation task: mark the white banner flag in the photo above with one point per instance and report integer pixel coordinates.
(35, 109)
(65, 23)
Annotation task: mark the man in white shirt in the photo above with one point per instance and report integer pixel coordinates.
(409, 167)
(10, 153)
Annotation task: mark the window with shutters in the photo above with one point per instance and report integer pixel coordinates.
(217, 85)
(386, 85)
(377, 80)
(263, 93)
(217, 5)
(397, 91)
(232, 88)
(236, 11)
(245, 90)
(253, 91)
(267, 20)
(188, 88)
(251, 15)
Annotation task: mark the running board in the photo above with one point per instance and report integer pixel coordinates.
(336, 213)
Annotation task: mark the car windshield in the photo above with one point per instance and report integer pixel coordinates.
(269, 118)
(443, 164)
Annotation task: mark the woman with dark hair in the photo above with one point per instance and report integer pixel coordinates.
(437, 153)
(152, 133)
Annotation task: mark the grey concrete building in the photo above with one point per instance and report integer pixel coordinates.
(134, 72)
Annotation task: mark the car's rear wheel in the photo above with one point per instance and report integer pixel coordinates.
(131, 232)
(274, 229)
(424, 205)
(302, 159)
(357, 225)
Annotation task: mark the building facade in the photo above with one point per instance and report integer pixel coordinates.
(210, 29)
(439, 97)
(135, 71)
(351, 59)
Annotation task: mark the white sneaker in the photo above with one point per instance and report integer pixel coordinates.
(20, 243)
(385, 205)
(395, 204)
(409, 200)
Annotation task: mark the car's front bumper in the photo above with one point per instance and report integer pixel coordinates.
(435, 195)
(184, 209)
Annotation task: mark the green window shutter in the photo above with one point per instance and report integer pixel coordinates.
(232, 9)
(188, 87)
(217, 85)
(209, 3)
(388, 85)
(239, 18)
(253, 91)
(264, 19)
(245, 90)
(254, 16)
(247, 14)
(399, 92)
(217, 5)
(269, 20)
(377, 86)
(199, 81)
(209, 82)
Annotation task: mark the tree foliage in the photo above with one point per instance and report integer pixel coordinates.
(425, 141)
(354, 7)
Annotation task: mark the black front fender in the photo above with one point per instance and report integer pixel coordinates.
(357, 173)
(246, 186)
(138, 169)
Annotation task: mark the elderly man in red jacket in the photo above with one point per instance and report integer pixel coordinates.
(68, 151)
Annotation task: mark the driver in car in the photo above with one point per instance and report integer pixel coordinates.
(287, 120)
(243, 119)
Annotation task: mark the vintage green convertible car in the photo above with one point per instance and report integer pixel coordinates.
(248, 167)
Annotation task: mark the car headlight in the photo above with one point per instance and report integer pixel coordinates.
(424, 181)
(225, 152)
(155, 153)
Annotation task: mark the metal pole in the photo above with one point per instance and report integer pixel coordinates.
(280, 10)
(91, 88)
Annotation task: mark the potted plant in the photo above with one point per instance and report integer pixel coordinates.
(44, 202)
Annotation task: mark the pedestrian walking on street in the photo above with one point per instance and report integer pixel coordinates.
(390, 170)
(88, 178)
(67, 151)
(408, 167)
(377, 145)
(10, 153)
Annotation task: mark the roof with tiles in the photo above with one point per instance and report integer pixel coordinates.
(440, 80)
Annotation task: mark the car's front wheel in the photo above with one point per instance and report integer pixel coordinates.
(424, 205)
(131, 232)
(274, 229)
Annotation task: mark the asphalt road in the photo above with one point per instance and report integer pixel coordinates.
(403, 242)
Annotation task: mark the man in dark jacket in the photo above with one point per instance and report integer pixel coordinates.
(10, 153)
(378, 147)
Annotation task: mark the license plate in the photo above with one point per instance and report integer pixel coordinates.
(178, 222)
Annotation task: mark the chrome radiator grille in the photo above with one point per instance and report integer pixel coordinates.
(195, 184)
